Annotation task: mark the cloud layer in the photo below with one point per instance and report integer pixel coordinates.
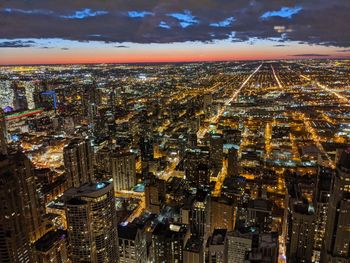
(322, 22)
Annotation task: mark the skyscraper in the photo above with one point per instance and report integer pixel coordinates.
(216, 151)
(3, 133)
(232, 162)
(123, 171)
(337, 237)
(91, 218)
(19, 97)
(14, 235)
(51, 248)
(20, 167)
(78, 162)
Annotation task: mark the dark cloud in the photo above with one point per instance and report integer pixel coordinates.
(64, 48)
(161, 21)
(310, 55)
(122, 46)
(280, 45)
(16, 44)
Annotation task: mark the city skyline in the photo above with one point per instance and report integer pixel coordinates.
(45, 32)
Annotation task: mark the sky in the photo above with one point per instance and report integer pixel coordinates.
(122, 31)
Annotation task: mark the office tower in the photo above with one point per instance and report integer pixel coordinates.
(91, 218)
(147, 153)
(3, 133)
(217, 247)
(19, 97)
(152, 199)
(200, 215)
(78, 156)
(222, 213)
(239, 243)
(14, 232)
(167, 243)
(123, 170)
(323, 191)
(232, 162)
(132, 243)
(337, 237)
(194, 251)
(52, 247)
(260, 213)
(20, 167)
(216, 151)
(197, 166)
(301, 233)
(264, 248)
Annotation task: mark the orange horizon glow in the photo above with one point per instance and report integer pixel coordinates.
(85, 53)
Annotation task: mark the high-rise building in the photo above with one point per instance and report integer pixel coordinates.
(239, 243)
(52, 247)
(197, 166)
(217, 246)
(260, 213)
(132, 243)
(323, 191)
(152, 200)
(18, 166)
(123, 170)
(222, 213)
(216, 150)
(301, 222)
(194, 251)
(19, 97)
(3, 133)
(301, 233)
(200, 215)
(14, 232)
(91, 219)
(337, 237)
(78, 156)
(147, 153)
(167, 243)
(232, 162)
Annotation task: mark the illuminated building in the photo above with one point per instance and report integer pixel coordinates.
(194, 251)
(197, 166)
(232, 162)
(152, 194)
(91, 219)
(123, 171)
(301, 233)
(167, 243)
(239, 242)
(78, 162)
(301, 223)
(217, 246)
(3, 133)
(147, 153)
(132, 243)
(222, 213)
(216, 150)
(14, 232)
(200, 215)
(337, 237)
(323, 190)
(51, 248)
(19, 97)
(260, 213)
(23, 185)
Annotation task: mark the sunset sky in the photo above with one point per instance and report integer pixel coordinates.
(89, 31)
